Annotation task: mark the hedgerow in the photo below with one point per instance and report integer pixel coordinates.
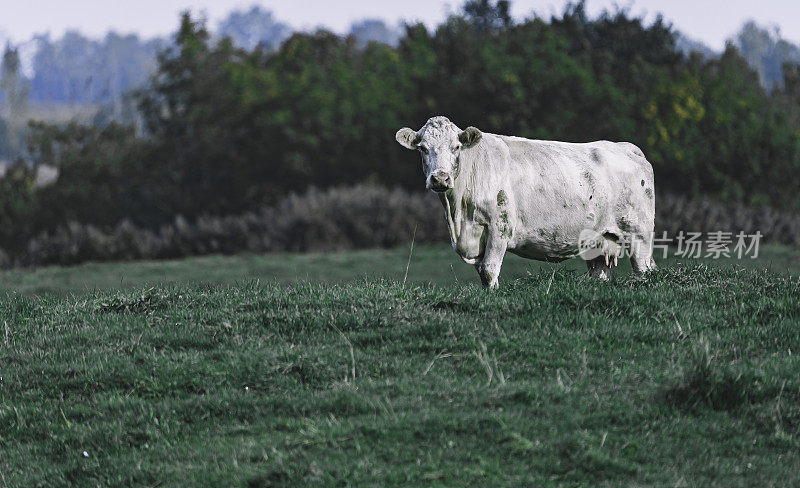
(345, 218)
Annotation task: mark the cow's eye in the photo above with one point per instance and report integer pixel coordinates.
(423, 149)
(456, 147)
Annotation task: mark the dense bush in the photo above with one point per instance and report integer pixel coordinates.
(336, 219)
(678, 213)
(346, 218)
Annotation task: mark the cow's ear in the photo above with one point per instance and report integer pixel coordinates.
(407, 138)
(470, 136)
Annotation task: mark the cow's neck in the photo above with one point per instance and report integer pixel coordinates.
(452, 199)
(453, 220)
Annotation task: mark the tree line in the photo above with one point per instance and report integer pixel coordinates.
(225, 129)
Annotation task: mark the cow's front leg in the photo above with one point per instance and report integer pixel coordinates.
(489, 267)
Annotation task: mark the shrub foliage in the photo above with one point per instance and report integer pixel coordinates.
(344, 218)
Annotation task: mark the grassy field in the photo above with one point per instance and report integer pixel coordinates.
(329, 372)
(430, 264)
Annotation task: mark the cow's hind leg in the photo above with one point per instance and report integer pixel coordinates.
(642, 254)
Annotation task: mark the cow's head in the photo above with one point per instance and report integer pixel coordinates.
(440, 142)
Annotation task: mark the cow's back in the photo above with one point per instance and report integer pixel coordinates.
(561, 188)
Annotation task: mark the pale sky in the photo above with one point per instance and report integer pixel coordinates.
(712, 21)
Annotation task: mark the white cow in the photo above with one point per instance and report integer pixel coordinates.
(537, 199)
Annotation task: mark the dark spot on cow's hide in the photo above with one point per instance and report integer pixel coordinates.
(624, 223)
(589, 177)
(629, 197)
(596, 156)
(502, 198)
(505, 227)
(649, 193)
(642, 182)
(590, 197)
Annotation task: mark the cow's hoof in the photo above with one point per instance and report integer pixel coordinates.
(492, 285)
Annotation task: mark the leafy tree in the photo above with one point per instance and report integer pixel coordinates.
(99, 180)
(17, 197)
(78, 70)
(488, 18)
(374, 30)
(765, 52)
(253, 28)
(13, 84)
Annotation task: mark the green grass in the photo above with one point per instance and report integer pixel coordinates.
(434, 264)
(687, 378)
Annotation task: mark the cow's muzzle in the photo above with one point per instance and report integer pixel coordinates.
(440, 181)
